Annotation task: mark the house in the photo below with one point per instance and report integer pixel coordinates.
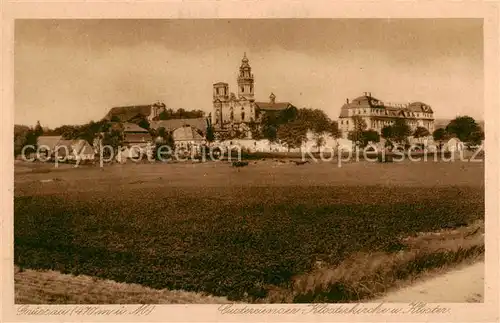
(185, 132)
(135, 135)
(187, 137)
(453, 145)
(200, 124)
(77, 149)
(83, 149)
(137, 141)
(47, 145)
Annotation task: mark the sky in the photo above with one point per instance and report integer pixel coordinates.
(74, 71)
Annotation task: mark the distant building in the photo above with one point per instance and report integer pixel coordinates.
(236, 112)
(378, 114)
(200, 124)
(133, 135)
(187, 137)
(186, 133)
(135, 113)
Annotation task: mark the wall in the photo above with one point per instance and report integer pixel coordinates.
(310, 145)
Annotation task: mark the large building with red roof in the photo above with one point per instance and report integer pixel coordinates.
(378, 114)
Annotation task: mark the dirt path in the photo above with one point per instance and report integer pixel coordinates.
(457, 286)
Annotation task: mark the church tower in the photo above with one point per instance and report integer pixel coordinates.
(245, 80)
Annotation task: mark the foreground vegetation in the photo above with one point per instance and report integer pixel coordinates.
(243, 243)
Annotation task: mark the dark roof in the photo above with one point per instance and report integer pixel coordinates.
(344, 113)
(80, 146)
(220, 83)
(187, 133)
(368, 101)
(365, 98)
(49, 141)
(172, 124)
(134, 137)
(420, 107)
(277, 106)
(132, 127)
(129, 112)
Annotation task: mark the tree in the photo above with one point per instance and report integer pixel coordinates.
(369, 136)
(292, 134)
(24, 136)
(168, 114)
(169, 139)
(115, 119)
(462, 127)
(89, 131)
(161, 132)
(421, 132)
(400, 130)
(20, 134)
(210, 136)
(255, 130)
(223, 135)
(314, 120)
(356, 135)
(334, 130)
(38, 129)
(153, 132)
(286, 115)
(270, 132)
(359, 124)
(113, 138)
(164, 138)
(476, 138)
(32, 138)
(238, 134)
(143, 123)
(440, 135)
(319, 140)
(387, 132)
(163, 115)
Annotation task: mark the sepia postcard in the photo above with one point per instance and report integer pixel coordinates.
(250, 161)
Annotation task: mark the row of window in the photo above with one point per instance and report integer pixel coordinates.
(221, 91)
(231, 116)
(385, 112)
(379, 123)
(242, 88)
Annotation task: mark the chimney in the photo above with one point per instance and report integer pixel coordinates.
(370, 94)
(347, 100)
(272, 98)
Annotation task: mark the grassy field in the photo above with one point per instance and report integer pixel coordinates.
(244, 234)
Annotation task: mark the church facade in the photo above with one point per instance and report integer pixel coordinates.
(237, 111)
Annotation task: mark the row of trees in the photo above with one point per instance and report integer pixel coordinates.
(181, 114)
(398, 132)
(291, 126)
(464, 128)
(24, 135)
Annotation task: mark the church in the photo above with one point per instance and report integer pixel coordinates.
(236, 112)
